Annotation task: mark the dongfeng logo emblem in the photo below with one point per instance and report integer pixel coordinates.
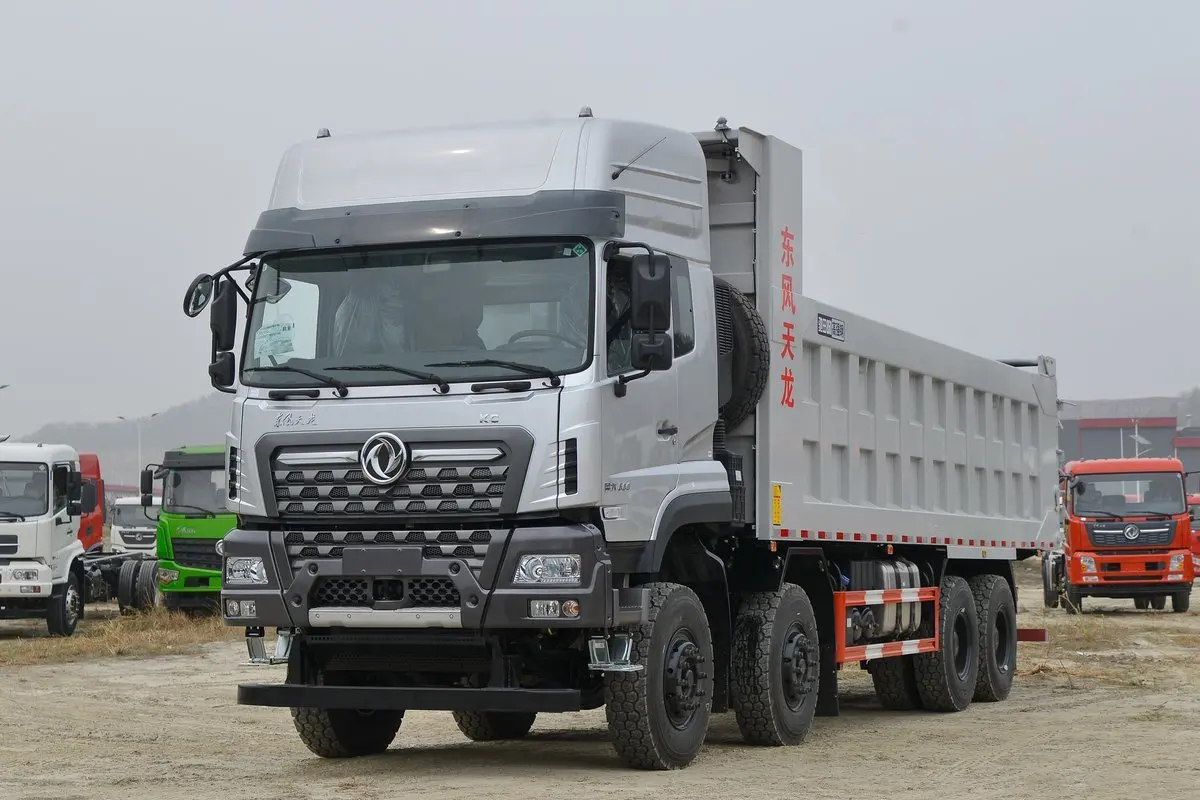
(1132, 532)
(384, 458)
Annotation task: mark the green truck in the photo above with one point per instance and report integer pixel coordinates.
(191, 523)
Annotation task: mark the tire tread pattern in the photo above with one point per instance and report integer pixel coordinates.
(494, 726)
(982, 588)
(895, 682)
(933, 670)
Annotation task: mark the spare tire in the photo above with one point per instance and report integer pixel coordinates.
(744, 352)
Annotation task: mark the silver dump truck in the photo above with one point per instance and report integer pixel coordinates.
(535, 418)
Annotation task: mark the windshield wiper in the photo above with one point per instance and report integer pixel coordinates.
(528, 369)
(207, 514)
(1109, 514)
(338, 386)
(443, 387)
(11, 515)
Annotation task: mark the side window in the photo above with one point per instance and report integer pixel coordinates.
(683, 320)
(289, 328)
(617, 329)
(62, 480)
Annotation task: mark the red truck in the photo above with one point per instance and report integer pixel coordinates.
(91, 525)
(1127, 534)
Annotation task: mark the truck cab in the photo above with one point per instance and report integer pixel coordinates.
(42, 497)
(1194, 512)
(134, 527)
(91, 525)
(1127, 534)
(192, 521)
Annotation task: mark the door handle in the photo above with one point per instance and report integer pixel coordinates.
(667, 429)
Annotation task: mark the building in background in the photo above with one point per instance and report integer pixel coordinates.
(1140, 426)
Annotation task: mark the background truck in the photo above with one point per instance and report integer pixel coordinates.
(191, 522)
(133, 527)
(45, 571)
(91, 525)
(1193, 512)
(534, 417)
(1127, 534)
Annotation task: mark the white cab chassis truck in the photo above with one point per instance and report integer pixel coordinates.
(44, 571)
(535, 418)
(134, 528)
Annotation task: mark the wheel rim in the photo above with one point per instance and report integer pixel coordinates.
(960, 647)
(71, 609)
(681, 679)
(1000, 631)
(798, 667)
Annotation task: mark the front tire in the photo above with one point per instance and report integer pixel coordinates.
(126, 587)
(776, 667)
(343, 732)
(1158, 602)
(66, 609)
(1073, 601)
(1181, 602)
(146, 594)
(659, 716)
(997, 614)
(494, 726)
(1049, 592)
(1141, 603)
(946, 678)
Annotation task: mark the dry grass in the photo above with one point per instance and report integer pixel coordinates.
(157, 632)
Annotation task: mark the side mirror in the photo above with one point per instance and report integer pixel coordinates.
(220, 372)
(651, 351)
(222, 319)
(74, 486)
(198, 294)
(146, 486)
(650, 293)
(1192, 514)
(88, 498)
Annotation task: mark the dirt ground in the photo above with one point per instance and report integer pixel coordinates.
(1109, 710)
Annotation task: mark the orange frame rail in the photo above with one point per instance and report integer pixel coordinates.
(887, 597)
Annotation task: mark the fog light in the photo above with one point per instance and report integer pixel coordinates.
(232, 608)
(570, 608)
(31, 590)
(544, 609)
(243, 608)
(166, 576)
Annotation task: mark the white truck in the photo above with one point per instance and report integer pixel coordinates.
(534, 417)
(134, 527)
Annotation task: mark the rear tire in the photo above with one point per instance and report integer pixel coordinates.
(658, 716)
(66, 609)
(494, 726)
(1141, 603)
(126, 582)
(946, 679)
(895, 682)
(146, 593)
(997, 614)
(1181, 602)
(1049, 592)
(1158, 602)
(776, 667)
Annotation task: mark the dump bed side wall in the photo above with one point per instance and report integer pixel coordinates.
(867, 432)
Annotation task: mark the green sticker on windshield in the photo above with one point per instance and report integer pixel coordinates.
(579, 250)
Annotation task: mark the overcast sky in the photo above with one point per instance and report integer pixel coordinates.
(1012, 178)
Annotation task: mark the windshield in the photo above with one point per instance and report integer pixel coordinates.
(194, 491)
(133, 515)
(23, 489)
(1129, 494)
(528, 303)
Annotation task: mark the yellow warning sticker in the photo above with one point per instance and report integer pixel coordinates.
(776, 504)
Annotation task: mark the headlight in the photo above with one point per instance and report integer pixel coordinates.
(1087, 563)
(245, 569)
(24, 574)
(558, 570)
(1176, 562)
(166, 576)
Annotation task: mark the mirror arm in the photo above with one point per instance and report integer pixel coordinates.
(620, 387)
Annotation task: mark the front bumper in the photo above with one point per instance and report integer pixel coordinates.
(1130, 575)
(177, 579)
(318, 585)
(35, 580)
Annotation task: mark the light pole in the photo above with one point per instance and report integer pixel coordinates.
(4, 437)
(137, 422)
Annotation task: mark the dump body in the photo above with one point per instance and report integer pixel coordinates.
(1127, 532)
(192, 520)
(517, 400)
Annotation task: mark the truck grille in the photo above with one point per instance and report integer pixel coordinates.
(309, 489)
(468, 545)
(364, 592)
(196, 553)
(1112, 534)
(135, 537)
